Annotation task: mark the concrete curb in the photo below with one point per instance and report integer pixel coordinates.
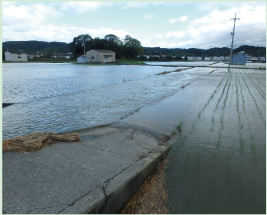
(113, 195)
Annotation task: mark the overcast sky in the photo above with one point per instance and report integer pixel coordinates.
(173, 24)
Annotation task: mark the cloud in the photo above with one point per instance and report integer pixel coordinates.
(213, 30)
(173, 20)
(135, 5)
(82, 7)
(183, 18)
(159, 36)
(176, 34)
(64, 33)
(145, 4)
(148, 16)
(39, 21)
(30, 15)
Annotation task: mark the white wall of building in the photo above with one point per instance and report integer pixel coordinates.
(15, 57)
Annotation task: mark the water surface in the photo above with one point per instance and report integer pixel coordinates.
(219, 160)
(62, 97)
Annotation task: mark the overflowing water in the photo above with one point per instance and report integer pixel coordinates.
(219, 160)
(62, 97)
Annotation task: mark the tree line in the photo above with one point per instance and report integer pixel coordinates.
(224, 51)
(126, 48)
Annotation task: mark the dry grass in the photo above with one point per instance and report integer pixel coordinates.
(163, 73)
(152, 196)
(177, 70)
(36, 141)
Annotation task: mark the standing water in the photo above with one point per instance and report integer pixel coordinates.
(219, 161)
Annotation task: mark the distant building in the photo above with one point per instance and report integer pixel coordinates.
(15, 56)
(81, 59)
(218, 58)
(239, 58)
(191, 58)
(100, 56)
(32, 55)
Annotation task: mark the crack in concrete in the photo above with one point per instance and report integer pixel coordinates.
(45, 208)
(102, 188)
(69, 205)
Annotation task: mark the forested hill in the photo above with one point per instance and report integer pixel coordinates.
(33, 45)
(256, 51)
(61, 47)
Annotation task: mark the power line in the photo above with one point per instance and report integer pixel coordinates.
(233, 34)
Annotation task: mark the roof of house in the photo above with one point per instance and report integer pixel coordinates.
(18, 53)
(99, 50)
(238, 53)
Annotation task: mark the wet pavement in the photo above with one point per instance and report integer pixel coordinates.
(109, 164)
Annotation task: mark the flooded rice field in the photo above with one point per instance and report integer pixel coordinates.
(219, 156)
(63, 97)
(219, 64)
(219, 163)
(219, 159)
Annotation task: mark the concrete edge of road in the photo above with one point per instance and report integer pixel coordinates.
(114, 194)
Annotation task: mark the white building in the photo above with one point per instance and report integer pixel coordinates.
(81, 59)
(12, 56)
(191, 58)
(218, 58)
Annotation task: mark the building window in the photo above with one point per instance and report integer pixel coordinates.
(92, 57)
(19, 56)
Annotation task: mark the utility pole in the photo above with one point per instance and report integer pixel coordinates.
(233, 34)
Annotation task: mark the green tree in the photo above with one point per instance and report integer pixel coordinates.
(114, 44)
(3, 55)
(186, 58)
(169, 57)
(132, 47)
(78, 43)
(178, 58)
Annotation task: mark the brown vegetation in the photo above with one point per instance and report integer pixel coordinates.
(152, 196)
(36, 141)
(177, 70)
(163, 73)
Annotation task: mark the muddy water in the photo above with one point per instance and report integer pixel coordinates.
(219, 160)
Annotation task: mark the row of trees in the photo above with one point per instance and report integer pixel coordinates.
(127, 48)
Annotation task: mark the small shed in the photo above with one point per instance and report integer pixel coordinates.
(100, 56)
(81, 59)
(239, 58)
